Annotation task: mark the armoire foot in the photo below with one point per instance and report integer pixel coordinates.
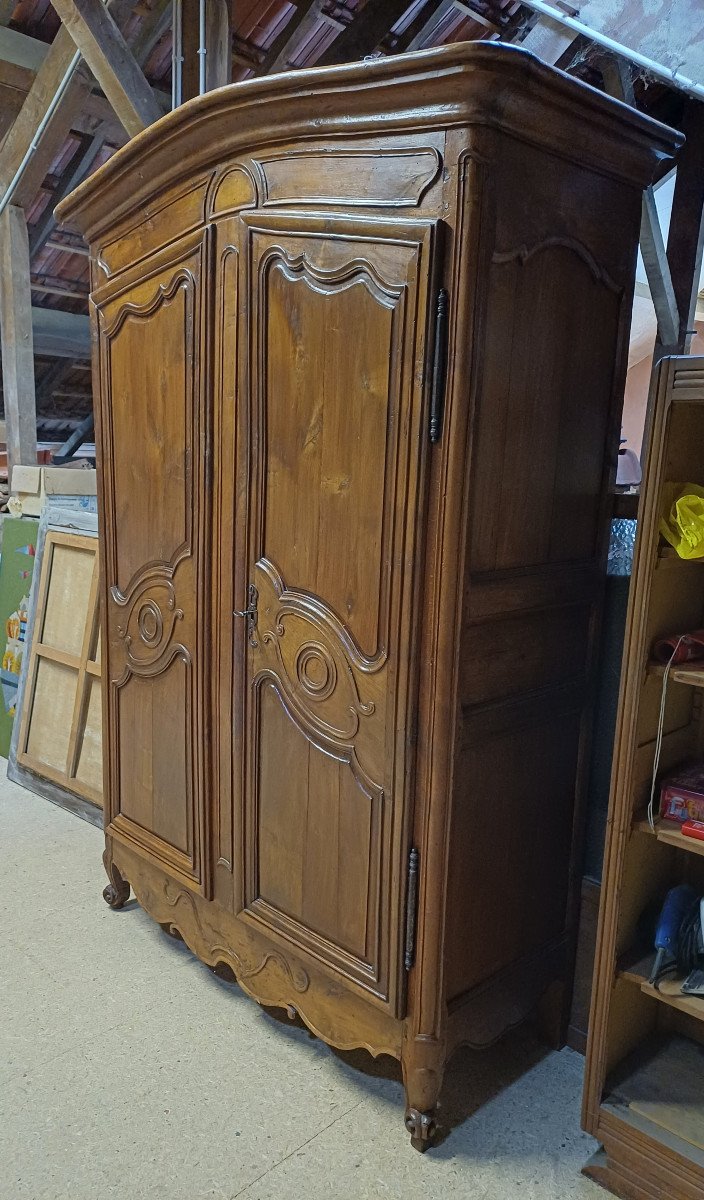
(422, 1061)
(421, 1126)
(117, 892)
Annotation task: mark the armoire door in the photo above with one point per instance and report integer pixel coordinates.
(336, 431)
(152, 425)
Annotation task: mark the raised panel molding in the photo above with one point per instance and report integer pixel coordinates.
(154, 589)
(397, 177)
(232, 190)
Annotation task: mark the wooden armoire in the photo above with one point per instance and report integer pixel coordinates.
(360, 339)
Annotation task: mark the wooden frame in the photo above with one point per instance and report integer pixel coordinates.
(643, 1096)
(61, 531)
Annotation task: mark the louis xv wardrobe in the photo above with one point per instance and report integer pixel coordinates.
(360, 339)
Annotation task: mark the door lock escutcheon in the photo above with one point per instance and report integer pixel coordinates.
(250, 613)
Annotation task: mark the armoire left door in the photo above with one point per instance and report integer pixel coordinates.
(333, 436)
(153, 431)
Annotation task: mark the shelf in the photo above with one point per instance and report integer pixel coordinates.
(661, 1084)
(691, 673)
(637, 970)
(669, 832)
(667, 553)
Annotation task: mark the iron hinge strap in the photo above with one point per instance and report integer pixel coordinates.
(411, 908)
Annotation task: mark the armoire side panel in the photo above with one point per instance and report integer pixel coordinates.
(153, 431)
(544, 435)
(339, 364)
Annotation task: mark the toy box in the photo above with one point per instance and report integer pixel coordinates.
(682, 796)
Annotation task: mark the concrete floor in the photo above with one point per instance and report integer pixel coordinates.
(129, 1070)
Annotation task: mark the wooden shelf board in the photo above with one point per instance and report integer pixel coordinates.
(691, 673)
(661, 1083)
(669, 832)
(668, 552)
(637, 970)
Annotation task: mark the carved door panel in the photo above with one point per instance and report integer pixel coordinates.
(337, 348)
(150, 325)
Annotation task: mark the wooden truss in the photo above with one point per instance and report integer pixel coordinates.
(89, 87)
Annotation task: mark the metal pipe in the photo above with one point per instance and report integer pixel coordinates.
(201, 46)
(176, 54)
(674, 78)
(54, 104)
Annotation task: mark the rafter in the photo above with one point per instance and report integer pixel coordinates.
(152, 30)
(548, 39)
(299, 27)
(59, 334)
(616, 73)
(365, 32)
(21, 151)
(113, 64)
(77, 169)
(685, 242)
(425, 25)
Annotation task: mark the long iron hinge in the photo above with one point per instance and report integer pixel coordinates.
(437, 389)
(411, 909)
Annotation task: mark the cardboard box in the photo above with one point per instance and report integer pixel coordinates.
(682, 795)
(32, 485)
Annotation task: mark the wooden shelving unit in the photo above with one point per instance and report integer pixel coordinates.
(644, 1088)
(670, 834)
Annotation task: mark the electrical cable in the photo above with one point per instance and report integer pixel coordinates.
(658, 739)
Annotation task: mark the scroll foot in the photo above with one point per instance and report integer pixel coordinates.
(117, 892)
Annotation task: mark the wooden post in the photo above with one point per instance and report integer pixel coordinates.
(17, 340)
(218, 46)
(686, 235)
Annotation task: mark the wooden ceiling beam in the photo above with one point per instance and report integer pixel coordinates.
(59, 334)
(16, 337)
(618, 82)
(364, 34)
(152, 30)
(22, 50)
(20, 145)
(685, 241)
(97, 36)
(298, 28)
(549, 40)
(53, 285)
(75, 172)
(427, 24)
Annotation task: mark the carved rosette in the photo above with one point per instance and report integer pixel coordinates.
(148, 624)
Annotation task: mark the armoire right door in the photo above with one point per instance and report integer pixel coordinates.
(334, 434)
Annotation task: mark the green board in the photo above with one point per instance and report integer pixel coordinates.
(19, 542)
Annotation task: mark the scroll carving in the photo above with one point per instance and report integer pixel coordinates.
(211, 951)
(149, 623)
(355, 271)
(523, 253)
(320, 680)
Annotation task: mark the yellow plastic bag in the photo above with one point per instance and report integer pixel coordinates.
(682, 518)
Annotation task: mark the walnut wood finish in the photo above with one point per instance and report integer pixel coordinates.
(329, 638)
